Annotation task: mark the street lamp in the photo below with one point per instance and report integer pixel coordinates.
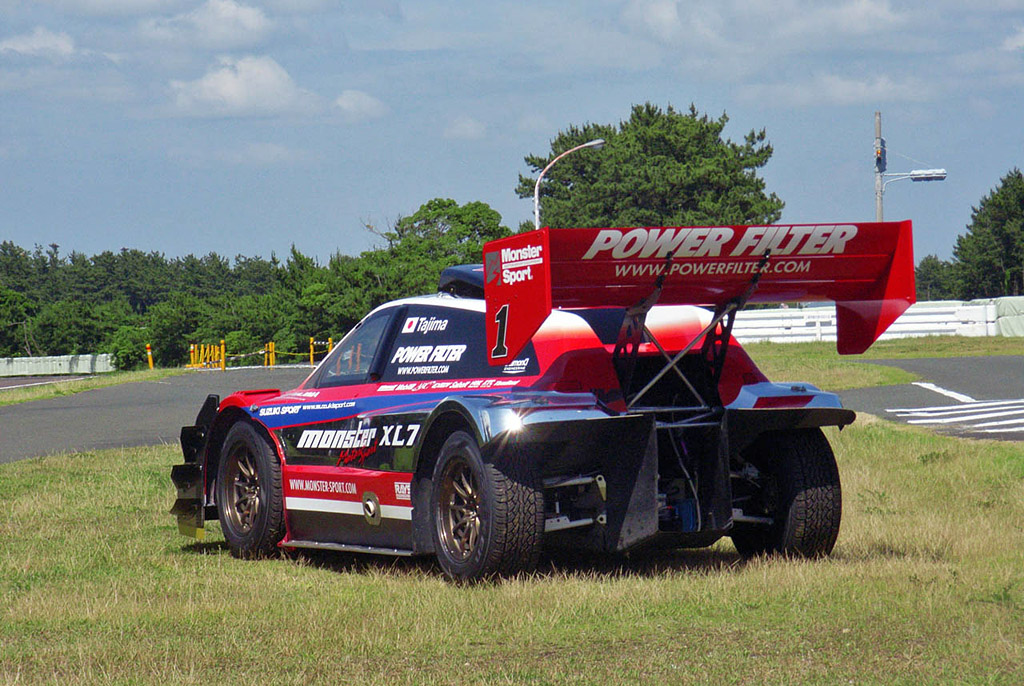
(596, 144)
(880, 165)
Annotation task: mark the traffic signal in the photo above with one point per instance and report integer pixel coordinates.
(880, 155)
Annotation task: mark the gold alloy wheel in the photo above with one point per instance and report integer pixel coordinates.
(458, 507)
(243, 503)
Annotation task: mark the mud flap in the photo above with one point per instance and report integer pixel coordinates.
(624, 450)
(188, 478)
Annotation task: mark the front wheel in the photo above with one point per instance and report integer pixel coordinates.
(789, 487)
(488, 517)
(249, 494)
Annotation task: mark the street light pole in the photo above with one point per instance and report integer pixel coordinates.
(596, 144)
(880, 165)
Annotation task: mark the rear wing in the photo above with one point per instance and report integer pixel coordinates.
(867, 269)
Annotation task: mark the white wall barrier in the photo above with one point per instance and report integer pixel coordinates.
(936, 318)
(55, 365)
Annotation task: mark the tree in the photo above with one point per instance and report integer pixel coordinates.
(441, 233)
(658, 168)
(935, 279)
(989, 258)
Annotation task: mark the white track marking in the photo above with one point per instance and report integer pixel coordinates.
(946, 392)
(967, 418)
(954, 409)
(1008, 413)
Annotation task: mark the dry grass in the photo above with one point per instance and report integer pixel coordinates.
(926, 586)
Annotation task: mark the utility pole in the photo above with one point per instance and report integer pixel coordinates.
(879, 166)
(880, 173)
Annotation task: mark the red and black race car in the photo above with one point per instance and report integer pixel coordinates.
(568, 392)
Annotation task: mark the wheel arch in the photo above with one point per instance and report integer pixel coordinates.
(215, 443)
(446, 419)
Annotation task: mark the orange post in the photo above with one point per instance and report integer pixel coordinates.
(330, 344)
(149, 355)
(223, 357)
(311, 341)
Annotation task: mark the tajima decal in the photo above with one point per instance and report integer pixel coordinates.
(424, 325)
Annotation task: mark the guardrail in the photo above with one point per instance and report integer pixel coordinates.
(935, 318)
(55, 365)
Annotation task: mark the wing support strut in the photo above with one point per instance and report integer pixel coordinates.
(716, 336)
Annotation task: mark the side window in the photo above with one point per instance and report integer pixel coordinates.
(349, 362)
(446, 343)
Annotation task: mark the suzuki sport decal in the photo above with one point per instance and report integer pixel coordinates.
(867, 269)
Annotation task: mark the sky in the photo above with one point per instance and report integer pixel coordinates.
(244, 127)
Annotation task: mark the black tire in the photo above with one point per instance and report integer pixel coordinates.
(487, 518)
(250, 501)
(799, 490)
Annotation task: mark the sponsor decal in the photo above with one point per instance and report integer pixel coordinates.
(332, 439)
(330, 406)
(279, 410)
(350, 455)
(655, 243)
(653, 269)
(322, 486)
(430, 369)
(424, 325)
(403, 490)
(512, 265)
(516, 366)
(446, 385)
(303, 394)
(399, 435)
(412, 354)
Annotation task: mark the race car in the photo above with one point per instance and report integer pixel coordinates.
(580, 389)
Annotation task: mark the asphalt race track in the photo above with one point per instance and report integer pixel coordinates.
(132, 414)
(981, 397)
(977, 397)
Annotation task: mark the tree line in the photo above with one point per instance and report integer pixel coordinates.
(659, 167)
(988, 260)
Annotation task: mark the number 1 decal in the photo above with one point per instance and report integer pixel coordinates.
(501, 319)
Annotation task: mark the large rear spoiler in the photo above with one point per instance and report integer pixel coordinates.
(866, 269)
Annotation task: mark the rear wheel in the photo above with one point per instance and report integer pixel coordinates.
(790, 487)
(488, 517)
(249, 494)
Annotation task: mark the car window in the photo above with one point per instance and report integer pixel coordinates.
(446, 343)
(349, 362)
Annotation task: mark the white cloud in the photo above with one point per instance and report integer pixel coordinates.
(216, 23)
(830, 89)
(465, 127)
(248, 155)
(533, 122)
(1015, 42)
(249, 86)
(357, 106)
(40, 43)
(659, 18)
(112, 7)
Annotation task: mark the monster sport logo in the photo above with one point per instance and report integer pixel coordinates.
(513, 265)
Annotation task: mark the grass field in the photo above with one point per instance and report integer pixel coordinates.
(54, 390)
(926, 585)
